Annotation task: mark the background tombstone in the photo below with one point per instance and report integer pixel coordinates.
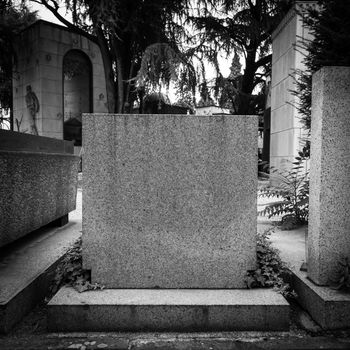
(169, 200)
(329, 222)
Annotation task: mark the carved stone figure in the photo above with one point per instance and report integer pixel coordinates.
(32, 104)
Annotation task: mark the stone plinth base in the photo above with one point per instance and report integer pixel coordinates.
(329, 308)
(168, 310)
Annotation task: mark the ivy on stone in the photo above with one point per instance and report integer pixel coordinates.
(271, 271)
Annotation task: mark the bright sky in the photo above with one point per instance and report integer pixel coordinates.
(45, 14)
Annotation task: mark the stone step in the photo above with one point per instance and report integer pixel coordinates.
(168, 310)
(27, 267)
(328, 307)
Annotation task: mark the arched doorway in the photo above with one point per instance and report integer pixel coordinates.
(77, 95)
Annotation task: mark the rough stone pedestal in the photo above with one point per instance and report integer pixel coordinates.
(329, 219)
(328, 307)
(329, 222)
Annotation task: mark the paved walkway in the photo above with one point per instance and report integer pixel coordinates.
(175, 341)
(290, 243)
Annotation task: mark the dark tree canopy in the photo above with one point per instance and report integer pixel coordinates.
(243, 27)
(125, 31)
(145, 44)
(330, 26)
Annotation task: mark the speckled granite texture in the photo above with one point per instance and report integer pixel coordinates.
(169, 200)
(172, 310)
(328, 307)
(35, 189)
(329, 222)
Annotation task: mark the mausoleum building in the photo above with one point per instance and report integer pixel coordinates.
(287, 134)
(58, 76)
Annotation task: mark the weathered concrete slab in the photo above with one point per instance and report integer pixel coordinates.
(28, 266)
(329, 219)
(14, 141)
(329, 308)
(167, 309)
(35, 189)
(169, 200)
(37, 186)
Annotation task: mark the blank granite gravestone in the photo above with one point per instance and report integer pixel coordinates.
(169, 225)
(169, 200)
(329, 219)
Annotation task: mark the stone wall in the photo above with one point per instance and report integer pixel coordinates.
(169, 200)
(38, 183)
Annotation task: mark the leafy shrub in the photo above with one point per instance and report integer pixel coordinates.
(70, 272)
(271, 271)
(292, 192)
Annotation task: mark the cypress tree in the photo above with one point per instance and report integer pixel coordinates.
(329, 23)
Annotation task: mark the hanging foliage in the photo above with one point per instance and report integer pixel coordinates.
(124, 30)
(161, 64)
(243, 27)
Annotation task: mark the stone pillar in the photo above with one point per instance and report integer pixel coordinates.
(329, 219)
(169, 200)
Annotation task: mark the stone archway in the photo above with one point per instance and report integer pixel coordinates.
(77, 93)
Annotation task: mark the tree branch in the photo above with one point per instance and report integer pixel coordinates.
(263, 61)
(54, 9)
(251, 5)
(258, 81)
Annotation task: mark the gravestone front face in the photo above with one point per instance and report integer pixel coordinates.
(169, 200)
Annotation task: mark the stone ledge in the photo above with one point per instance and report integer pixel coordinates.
(167, 310)
(329, 308)
(28, 266)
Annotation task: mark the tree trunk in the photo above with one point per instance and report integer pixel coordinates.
(108, 69)
(11, 114)
(118, 51)
(128, 99)
(246, 90)
(120, 84)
